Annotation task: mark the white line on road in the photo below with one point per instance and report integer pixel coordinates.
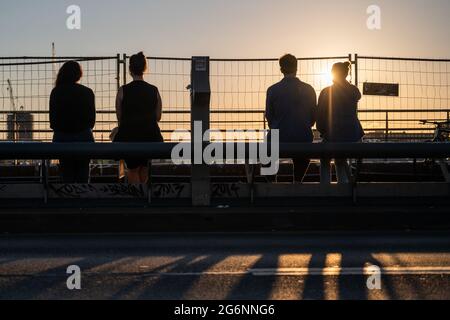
(338, 271)
(279, 272)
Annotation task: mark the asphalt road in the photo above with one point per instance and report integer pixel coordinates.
(227, 266)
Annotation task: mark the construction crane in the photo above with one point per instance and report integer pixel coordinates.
(11, 95)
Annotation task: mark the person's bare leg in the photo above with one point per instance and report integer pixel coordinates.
(325, 171)
(133, 176)
(342, 171)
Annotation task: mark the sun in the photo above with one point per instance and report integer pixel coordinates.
(326, 78)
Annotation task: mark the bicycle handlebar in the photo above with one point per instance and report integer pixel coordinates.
(435, 122)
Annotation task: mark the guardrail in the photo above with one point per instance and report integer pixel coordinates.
(250, 190)
(103, 151)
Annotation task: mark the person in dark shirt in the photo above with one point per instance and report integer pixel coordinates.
(337, 118)
(72, 118)
(139, 109)
(290, 108)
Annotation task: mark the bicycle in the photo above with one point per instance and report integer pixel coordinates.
(441, 135)
(441, 132)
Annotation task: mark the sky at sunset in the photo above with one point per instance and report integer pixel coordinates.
(226, 28)
(231, 29)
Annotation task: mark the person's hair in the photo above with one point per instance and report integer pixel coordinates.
(288, 64)
(138, 64)
(341, 69)
(70, 73)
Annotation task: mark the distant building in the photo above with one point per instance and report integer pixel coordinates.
(19, 126)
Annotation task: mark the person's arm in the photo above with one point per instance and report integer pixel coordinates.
(321, 115)
(269, 108)
(312, 104)
(119, 100)
(92, 113)
(159, 108)
(52, 111)
(358, 95)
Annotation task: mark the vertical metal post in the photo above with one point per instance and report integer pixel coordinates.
(118, 71)
(351, 61)
(200, 123)
(45, 181)
(386, 138)
(125, 69)
(355, 177)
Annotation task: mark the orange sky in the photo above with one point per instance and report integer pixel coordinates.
(227, 28)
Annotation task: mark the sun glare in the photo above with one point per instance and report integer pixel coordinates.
(327, 78)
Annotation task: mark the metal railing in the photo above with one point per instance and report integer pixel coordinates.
(238, 92)
(105, 151)
(250, 190)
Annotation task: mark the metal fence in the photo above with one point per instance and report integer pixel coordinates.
(26, 84)
(172, 77)
(424, 94)
(238, 92)
(239, 87)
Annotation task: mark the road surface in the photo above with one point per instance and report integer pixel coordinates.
(227, 266)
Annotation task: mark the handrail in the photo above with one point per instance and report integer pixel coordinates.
(39, 151)
(404, 59)
(187, 111)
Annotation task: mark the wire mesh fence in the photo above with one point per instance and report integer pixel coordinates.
(238, 94)
(424, 94)
(26, 84)
(239, 87)
(172, 77)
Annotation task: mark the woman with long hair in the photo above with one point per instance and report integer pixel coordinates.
(72, 118)
(139, 110)
(337, 119)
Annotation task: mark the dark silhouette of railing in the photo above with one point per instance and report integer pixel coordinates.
(103, 151)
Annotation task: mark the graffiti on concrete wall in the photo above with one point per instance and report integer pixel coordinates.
(75, 191)
(168, 190)
(226, 190)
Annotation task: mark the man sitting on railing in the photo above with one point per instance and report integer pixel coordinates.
(290, 108)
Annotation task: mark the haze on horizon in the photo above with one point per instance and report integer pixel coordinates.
(226, 29)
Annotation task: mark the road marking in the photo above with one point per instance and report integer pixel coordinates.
(279, 272)
(338, 271)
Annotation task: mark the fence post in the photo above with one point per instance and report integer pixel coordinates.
(118, 71)
(356, 70)
(125, 71)
(386, 137)
(200, 123)
(45, 180)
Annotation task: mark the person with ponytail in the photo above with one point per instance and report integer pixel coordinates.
(337, 119)
(72, 118)
(139, 110)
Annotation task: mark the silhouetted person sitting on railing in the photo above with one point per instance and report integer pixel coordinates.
(337, 119)
(72, 118)
(290, 108)
(139, 109)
